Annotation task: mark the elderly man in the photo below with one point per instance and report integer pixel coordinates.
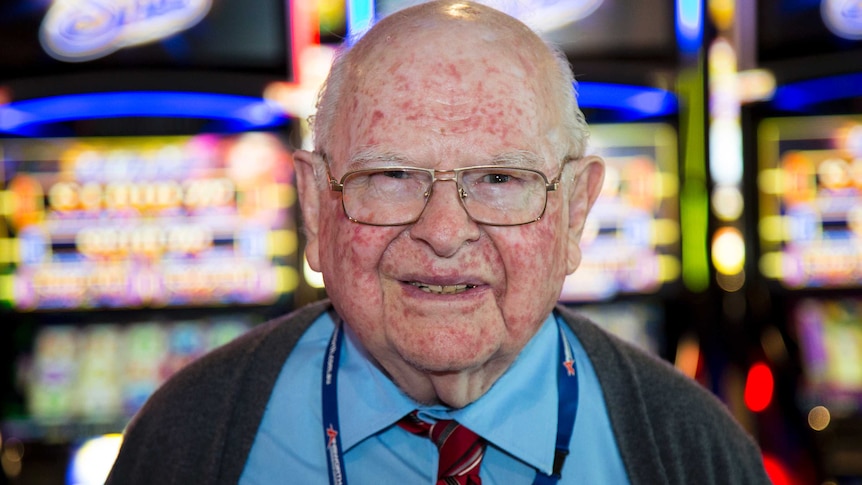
(444, 204)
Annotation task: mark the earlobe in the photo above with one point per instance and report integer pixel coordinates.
(309, 202)
(584, 191)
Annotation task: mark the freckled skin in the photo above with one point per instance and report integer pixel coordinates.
(441, 107)
(377, 117)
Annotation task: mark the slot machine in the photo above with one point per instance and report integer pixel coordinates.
(148, 210)
(631, 239)
(805, 144)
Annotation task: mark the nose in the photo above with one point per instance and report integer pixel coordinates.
(444, 224)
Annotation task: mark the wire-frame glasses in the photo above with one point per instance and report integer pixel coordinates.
(490, 194)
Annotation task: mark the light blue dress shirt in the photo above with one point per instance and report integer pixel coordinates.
(517, 416)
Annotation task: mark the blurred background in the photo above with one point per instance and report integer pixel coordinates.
(148, 212)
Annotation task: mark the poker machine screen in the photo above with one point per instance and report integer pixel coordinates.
(147, 222)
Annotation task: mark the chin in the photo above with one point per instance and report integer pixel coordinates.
(447, 360)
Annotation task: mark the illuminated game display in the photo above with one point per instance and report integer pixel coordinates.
(101, 374)
(132, 222)
(147, 208)
(810, 184)
(630, 242)
(830, 338)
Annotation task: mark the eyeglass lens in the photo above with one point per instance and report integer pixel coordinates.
(490, 195)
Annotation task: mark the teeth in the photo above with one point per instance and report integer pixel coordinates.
(442, 289)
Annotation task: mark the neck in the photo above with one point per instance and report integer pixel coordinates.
(454, 389)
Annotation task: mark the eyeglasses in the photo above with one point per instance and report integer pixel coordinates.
(490, 194)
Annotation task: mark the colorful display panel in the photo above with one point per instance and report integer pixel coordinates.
(81, 380)
(830, 339)
(810, 183)
(203, 220)
(630, 242)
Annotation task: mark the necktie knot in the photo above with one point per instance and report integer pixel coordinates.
(461, 450)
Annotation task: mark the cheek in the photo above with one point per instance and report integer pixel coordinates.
(535, 268)
(352, 258)
(535, 255)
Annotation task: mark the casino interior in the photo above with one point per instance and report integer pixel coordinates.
(148, 211)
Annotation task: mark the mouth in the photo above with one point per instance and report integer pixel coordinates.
(442, 289)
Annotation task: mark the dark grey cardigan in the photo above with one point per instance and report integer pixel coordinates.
(199, 427)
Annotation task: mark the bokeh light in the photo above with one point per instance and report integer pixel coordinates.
(819, 418)
(759, 387)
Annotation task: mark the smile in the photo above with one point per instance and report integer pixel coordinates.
(442, 289)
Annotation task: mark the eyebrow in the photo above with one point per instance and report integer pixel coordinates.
(519, 158)
(370, 158)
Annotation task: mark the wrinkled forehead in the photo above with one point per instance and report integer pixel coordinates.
(438, 43)
(448, 71)
(445, 82)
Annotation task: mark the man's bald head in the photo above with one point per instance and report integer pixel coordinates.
(483, 23)
(452, 27)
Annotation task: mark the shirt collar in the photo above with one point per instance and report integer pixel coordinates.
(505, 416)
(368, 401)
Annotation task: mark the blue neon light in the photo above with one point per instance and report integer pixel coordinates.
(360, 17)
(803, 95)
(631, 102)
(242, 112)
(689, 25)
(245, 113)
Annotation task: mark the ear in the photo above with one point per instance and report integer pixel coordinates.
(309, 201)
(584, 191)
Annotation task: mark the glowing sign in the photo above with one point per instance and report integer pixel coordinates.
(553, 14)
(240, 112)
(843, 17)
(689, 25)
(82, 30)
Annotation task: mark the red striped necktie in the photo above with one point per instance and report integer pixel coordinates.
(461, 450)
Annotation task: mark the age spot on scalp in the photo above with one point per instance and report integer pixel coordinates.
(452, 70)
(402, 83)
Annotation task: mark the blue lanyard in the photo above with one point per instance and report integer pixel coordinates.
(567, 408)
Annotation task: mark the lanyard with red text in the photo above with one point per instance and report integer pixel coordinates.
(567, 408)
